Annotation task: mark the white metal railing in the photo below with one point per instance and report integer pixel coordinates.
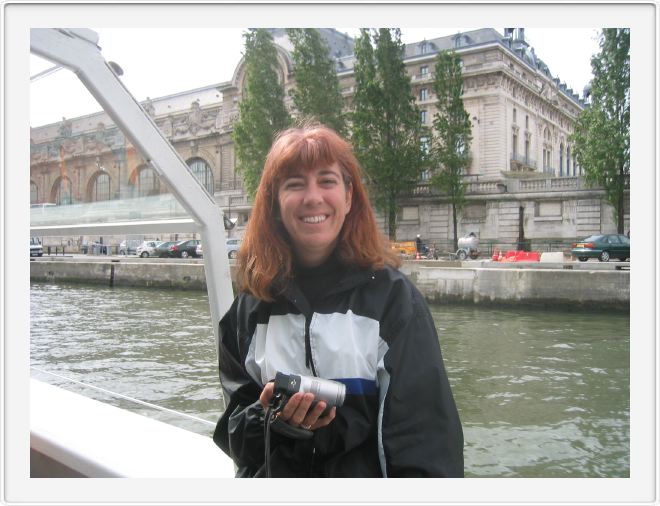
(77, 50)
(76, 434)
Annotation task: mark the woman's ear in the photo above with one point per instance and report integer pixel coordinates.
(349, 197)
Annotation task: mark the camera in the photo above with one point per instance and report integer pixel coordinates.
(329, 391)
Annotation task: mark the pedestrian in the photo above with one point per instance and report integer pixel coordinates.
(320, 294)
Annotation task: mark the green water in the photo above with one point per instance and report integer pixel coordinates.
(541, 393)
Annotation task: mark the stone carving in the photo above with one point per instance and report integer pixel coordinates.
(71, 146)
(166, 126)
(149, 107)
(65, 128)
(95, 143)
(196, 121)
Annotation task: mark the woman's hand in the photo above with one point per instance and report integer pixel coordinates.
(297, 412)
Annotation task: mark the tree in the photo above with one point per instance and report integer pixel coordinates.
(262, 109)
(386, 121)
(452, 133)
(316, 93)
(601, 140)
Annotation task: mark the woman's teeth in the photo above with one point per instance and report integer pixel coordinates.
(314, 219)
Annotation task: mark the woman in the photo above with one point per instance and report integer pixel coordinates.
(320, 295)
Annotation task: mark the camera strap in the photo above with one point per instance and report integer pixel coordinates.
(273, 422)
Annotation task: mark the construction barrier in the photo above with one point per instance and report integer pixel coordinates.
(516, 256)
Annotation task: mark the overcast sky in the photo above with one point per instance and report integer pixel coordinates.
(171, 60)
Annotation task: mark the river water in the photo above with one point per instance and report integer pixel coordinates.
(541, 392)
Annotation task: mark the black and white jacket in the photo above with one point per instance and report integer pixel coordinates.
(371, 331)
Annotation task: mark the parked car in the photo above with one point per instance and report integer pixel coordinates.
(128, 247)
(603, 247)
(233, 245)
(147, 248)
(163, 249)
(36, 249)
(184, 249)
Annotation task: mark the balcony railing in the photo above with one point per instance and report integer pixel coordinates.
(522, 161)
(510, 185)
(422, 77)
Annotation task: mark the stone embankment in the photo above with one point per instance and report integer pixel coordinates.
(574, 284)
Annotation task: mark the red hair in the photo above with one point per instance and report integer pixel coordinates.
(265, 259)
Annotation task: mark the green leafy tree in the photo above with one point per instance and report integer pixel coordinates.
(601, 140)
(386, 121)
(316, 94)
(452, 133)
(262, 109)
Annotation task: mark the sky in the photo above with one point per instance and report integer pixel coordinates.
(171, 60)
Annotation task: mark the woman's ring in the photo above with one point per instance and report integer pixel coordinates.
(306, 427)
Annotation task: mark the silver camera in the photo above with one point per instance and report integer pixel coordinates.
(329, 391)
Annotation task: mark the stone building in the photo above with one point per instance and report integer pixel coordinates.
(523, 177)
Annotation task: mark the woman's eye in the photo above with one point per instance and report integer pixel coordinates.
(292, 185)
(328, 181)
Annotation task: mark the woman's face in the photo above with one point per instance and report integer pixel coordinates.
(313, 206)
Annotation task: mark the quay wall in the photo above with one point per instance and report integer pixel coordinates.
(546, 286)
(440, 282)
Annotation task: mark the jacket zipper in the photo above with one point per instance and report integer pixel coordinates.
(309, 360)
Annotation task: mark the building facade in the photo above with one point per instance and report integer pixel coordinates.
(523, 177)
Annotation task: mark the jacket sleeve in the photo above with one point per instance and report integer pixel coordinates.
(240, 430)
(420, 433)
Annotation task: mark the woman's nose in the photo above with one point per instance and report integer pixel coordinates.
(312, 194)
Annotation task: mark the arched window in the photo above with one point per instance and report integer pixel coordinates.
(34, 193)
(63, 192)
(568, 162)
(100, 188)
(148, 182)
(202, 171)
(561, 160)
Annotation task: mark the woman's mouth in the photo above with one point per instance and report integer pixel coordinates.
(315, 219)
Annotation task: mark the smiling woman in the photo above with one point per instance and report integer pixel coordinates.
(321, 296)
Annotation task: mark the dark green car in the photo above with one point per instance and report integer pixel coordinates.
(603, 247)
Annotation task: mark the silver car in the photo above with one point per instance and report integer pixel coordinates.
(233, 246)
(148, 249)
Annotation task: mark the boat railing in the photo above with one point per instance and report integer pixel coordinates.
(76, 435)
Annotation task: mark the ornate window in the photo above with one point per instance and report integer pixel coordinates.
(100, 188)
(422, 117)
(34, 193)
(202, 171)
(63, 192)
(424, 144)
(148, 182)
(561, 160)
(423, 94)
(568, 162)
(424, 70)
